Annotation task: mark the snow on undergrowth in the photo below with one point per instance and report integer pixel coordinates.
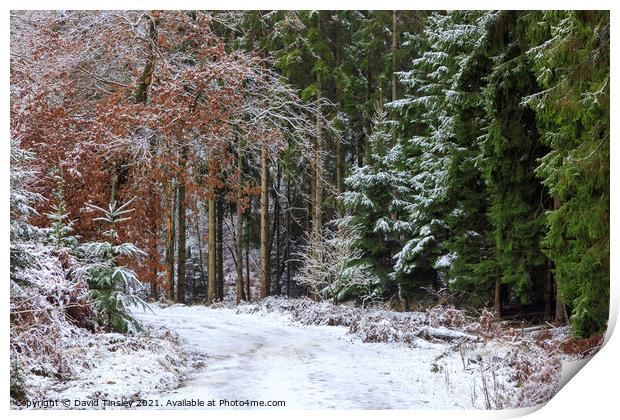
(58, 352)
(373, 325)
(510, 366)
(114, 366)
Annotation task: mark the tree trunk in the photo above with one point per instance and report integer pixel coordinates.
(142, 97)
(318, 169)
(560, 310)
(338, 140)
(153, 245)
(147, 72)
(190, 274)
(201, 259)
(288, 237)
(170, 235)
(497, 308)
(339, 167)
(394, 47)
(181, 248)
(264, 225)
(394, 68)
(114, 183)
(212, 286)
(154, 274)
(364, 157)
(239, 238)
(277, 286)
(248, 292)
(311, 196)
(220, 248)
(548, 291)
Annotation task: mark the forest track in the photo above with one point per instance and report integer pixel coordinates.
(262, 357)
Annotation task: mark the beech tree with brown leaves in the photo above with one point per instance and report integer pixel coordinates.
(143, 107)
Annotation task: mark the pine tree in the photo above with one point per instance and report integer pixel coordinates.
(471, 261)
(510, 149)
(571, 62)
(428, 154)
(60, 232)
(113, 286)
(22, 200)
(371, 189)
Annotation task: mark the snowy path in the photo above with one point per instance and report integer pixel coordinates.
(263, 357)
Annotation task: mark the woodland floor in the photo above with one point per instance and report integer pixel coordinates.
(265, 356)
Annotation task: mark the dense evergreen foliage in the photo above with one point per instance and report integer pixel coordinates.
(499, 172)
(510, 150)
(570, 58)
(22, 201)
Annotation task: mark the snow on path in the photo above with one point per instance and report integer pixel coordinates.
(265, 357)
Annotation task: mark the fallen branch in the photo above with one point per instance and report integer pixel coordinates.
(445, 334)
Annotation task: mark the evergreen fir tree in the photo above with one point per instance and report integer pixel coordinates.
(571, 62)
(510, 149)
(60, 232)
(473, 268)
(113, 286)
(21, 200)
(370, 193)
(433, 155)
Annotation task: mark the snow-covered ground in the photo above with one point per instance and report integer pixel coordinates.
(264, 357)
(113, 367)
(306, 355)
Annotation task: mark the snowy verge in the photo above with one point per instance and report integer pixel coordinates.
(109, 368)
(511, 367)
(374, 325)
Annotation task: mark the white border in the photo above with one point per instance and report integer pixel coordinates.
(591, 395)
